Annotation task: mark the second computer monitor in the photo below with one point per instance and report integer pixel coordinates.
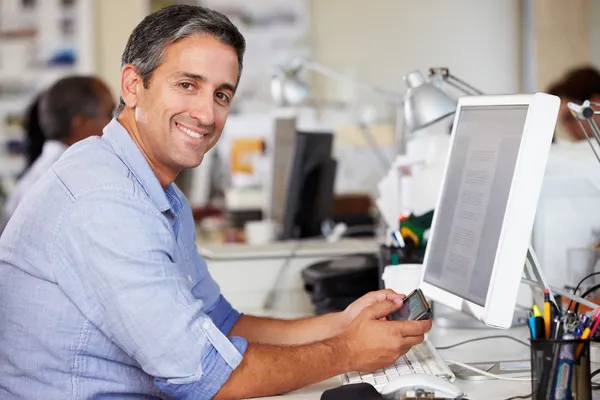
(309, 199)
(484, 216)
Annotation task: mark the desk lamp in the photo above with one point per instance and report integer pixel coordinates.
(426, 103)
(585, 112)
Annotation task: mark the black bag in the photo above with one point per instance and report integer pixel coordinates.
(335, 284)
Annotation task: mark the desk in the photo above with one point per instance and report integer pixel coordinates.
(246, 273)
(486, 350)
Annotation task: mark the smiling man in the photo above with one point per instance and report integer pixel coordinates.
(102, 291)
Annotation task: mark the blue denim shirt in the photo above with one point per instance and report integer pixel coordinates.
(102, 290)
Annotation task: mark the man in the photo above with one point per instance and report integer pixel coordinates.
(102, 291)
(577, 85)
(73, 109)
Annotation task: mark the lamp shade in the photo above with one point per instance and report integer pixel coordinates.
(424, 103)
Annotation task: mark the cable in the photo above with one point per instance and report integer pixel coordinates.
(588, 292)
(272, 295)
(526, 396)
(485, 373)
(579, 284)
(483, 338)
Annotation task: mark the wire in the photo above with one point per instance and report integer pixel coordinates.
(584, 295)
(483, 338)
(272, 295)
(595, 385)
(580, 283)
(485, 373)
(526, 396)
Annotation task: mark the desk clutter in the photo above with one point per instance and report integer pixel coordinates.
(560, 352)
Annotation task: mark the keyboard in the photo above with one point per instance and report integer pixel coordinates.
(421, 359)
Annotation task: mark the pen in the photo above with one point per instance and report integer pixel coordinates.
(557, 331)
(398, 238)
(584, 336)
(547, 313)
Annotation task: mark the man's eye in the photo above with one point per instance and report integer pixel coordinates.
(186, 85)
(223, 97)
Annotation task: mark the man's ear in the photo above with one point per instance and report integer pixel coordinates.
(130, 84)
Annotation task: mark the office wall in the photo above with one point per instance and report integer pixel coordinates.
(561, 37)
(115, 19)
(377, 41)
(381, 40)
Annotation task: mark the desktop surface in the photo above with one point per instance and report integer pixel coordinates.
(485, 350)
(297, 248)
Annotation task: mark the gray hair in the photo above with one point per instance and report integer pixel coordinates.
(65, 99)
(146, 45)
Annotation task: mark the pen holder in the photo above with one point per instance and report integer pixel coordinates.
(560, 369)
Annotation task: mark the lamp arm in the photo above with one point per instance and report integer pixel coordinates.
(452, 80)
(585, 112)
(331, 73)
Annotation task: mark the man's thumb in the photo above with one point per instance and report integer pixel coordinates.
(382, 309)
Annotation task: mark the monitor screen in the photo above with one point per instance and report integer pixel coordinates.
(474, 199)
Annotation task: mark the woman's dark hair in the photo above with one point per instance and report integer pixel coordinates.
(35, 137)
(578, 84)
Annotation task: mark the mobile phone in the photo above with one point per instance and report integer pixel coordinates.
(414, 308)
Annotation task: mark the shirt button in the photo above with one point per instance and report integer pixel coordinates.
(190, 278)
(206, 324)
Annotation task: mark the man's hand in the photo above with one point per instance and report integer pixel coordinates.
(354, 309)
(373, 343)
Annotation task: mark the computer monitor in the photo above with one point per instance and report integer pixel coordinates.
(309, 197)
(484, 216)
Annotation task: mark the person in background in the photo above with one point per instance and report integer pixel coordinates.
(34, 141)
(577, 85)
(71, 110)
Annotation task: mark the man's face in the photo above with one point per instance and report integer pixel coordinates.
(183, 111)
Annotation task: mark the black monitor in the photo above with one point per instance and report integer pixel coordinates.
(309, 199)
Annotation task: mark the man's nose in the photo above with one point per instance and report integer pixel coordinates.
(202, 108)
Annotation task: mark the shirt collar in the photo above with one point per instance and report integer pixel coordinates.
(131, 155)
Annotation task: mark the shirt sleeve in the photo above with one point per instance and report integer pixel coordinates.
(115, 257)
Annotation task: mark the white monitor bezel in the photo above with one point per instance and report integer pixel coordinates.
(521, 206)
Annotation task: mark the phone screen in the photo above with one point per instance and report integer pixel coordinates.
(413, 308)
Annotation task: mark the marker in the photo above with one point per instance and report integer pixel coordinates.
(547, 313)
(531, 321)
(596, 323)
(539, 328)
(536, 311)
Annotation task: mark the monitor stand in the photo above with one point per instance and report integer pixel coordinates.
(449, 318)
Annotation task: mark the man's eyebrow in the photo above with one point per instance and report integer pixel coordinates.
(200, 78)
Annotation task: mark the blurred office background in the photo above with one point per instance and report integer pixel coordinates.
(497, 46)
